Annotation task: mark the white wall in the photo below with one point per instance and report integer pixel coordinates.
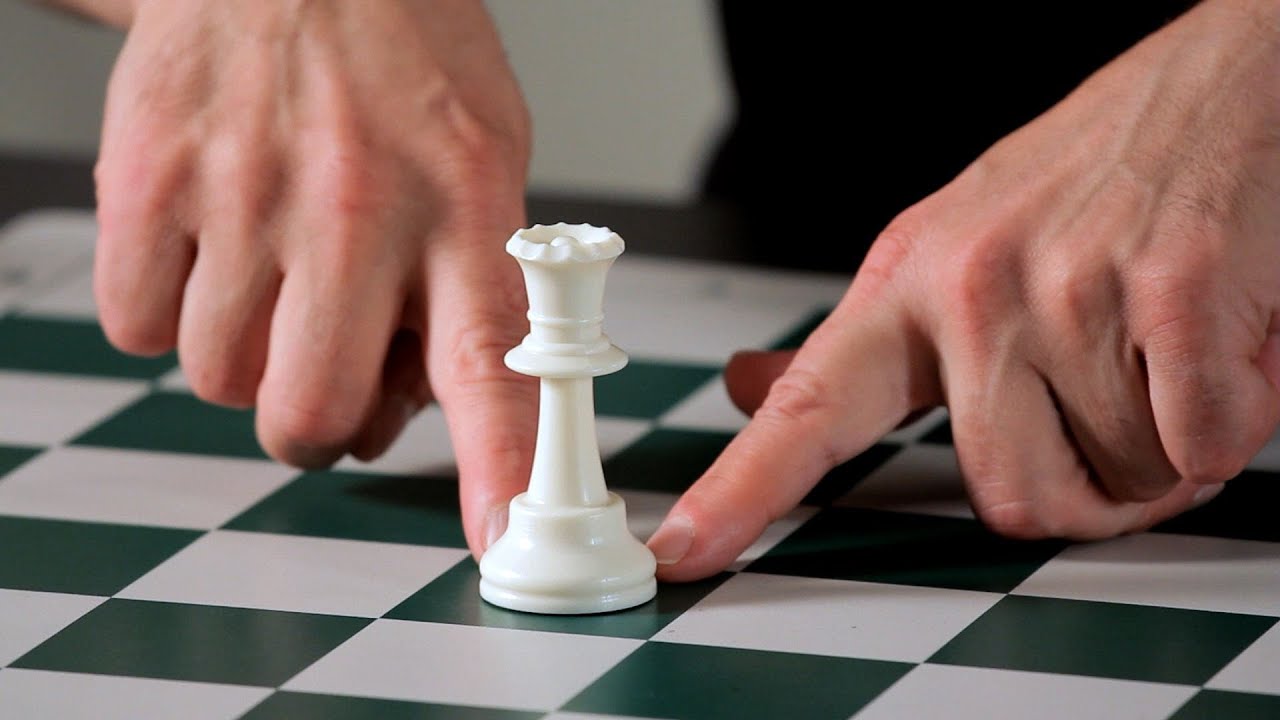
(53, 74)
(626, 96)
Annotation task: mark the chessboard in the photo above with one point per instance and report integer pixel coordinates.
(155, 564)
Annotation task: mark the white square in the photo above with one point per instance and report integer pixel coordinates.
(840, 618)
(1256, 670)
(138, 488)
(40, 248)
(294, 573)
(71, 298)
(703, 312)
(174, 380)
(1179, 571)
(74, 696)
(921, 478)
(965, 693)
(29, 618)
(49, 409)
(615, 434)
(464, 665)
(423, 448)
(707, 408)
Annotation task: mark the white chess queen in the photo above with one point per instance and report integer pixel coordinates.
(567, 548)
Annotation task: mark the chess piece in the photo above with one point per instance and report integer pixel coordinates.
(567, 549)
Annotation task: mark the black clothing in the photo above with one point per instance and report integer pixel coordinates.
(847, 116)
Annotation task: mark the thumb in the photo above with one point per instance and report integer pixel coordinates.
(1215, 404)
(750, 374)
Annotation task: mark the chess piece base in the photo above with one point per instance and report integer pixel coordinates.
(567, 561)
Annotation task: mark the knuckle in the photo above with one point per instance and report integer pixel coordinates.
(890, 255)
(1169, 292)
(482, 135)
(351, 181)
(802, 398)
(243, 166)
(977, 282)
(474, 358)
(796, 396)
(139, 183)
(479, 157)
(1076, 293)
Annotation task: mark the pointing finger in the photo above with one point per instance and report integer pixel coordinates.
(477, 306)
(859, 374)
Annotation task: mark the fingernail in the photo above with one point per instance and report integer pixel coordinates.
(495, 524)
(1206, 493)
(672, 541)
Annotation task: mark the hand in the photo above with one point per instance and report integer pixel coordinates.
(1096, 300)
(310, 200)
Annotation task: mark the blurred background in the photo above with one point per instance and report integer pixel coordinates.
(653, 70)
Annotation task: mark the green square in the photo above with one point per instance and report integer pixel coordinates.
(646, 389)
(1127, 642)
(181, 423)
(842, 478)
(81, 557)
(665, 460)
(1245, 510)
(454, 598)
(360, 506)
(906, 549)
(1222, 705)
(76, 347)
(796, 336)
(308, 706)
(12, 456)
(202, 643)
(673, 680)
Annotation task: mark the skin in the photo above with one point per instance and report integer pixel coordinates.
(309, 200)
(1096, 300)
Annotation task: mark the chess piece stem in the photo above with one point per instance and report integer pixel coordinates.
(566, 463)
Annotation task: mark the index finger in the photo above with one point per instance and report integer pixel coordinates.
(856, 378)
(476, 312)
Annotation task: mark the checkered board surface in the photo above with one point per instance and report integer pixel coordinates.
(154, 564)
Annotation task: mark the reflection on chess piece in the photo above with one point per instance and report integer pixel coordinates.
(567, 548)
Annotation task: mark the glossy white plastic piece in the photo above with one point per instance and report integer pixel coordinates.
(567, 549)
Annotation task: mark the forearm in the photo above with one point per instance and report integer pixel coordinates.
(111, 12)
